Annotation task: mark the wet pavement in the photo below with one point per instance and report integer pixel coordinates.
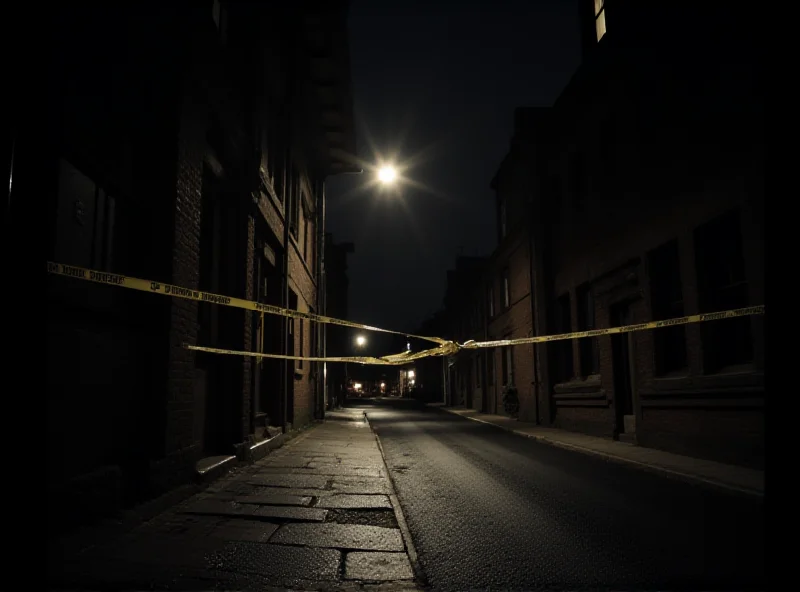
(316, 514)
(488, 509)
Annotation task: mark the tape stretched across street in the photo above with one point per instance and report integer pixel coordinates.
(123, 281)
(394, 360)
(444, 348)
(404, 358)
(699, 318)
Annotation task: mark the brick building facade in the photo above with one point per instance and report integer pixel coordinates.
(190, 145)
(465, 321)
(644, 185)
(655, 192)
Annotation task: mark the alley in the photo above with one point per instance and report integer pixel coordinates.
(489, 509)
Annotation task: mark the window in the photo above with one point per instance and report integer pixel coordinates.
(588, 346)
(503, 218)
(600, 18)
(490, 300)
(666, 300)
(507, 363)
(723, 286)
(295, 195)
(490, 367)
(305, 235)
(506, 290)
(274, 147)
(85, 221)
(563, 360)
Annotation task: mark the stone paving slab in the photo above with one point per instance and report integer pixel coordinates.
(245, 530)
(377, 566)
(362, 488)
(279, 561)
(274, 499)
(257, 491)
(217, 507)
(287, 462)
(291, 513)
(341, 536)
(355, 502)
(364, 485)
(253, 511)
(324, 469)
(284, 480)
(339, 469)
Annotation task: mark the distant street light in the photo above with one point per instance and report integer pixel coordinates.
(387, 175)
(361, 341)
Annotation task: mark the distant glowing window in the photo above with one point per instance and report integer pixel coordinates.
(599, 18)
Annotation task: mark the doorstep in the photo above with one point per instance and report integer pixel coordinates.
(212, 467)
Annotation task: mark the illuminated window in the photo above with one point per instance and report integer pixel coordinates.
(599, 18)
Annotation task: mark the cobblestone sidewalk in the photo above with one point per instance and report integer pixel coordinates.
(317, 514)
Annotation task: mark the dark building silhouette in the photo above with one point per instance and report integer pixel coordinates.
(465, 317)
(337, 338)
(430, 372)
(190, 145)
(644, 185)
(507, 278)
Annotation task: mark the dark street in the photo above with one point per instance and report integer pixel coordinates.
(490, 509)
(351, 296)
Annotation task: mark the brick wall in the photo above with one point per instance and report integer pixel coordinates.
(513, 323)
(302, 282)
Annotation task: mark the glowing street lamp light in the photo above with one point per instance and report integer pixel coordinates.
(361, 341)
(387, 175)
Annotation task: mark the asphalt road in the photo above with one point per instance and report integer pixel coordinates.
(489, 509)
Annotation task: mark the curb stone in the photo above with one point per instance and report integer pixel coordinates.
(400, 517)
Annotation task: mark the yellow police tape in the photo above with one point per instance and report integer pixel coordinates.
(405, 358)
(444, 348)
(123, 281)
(699, 318)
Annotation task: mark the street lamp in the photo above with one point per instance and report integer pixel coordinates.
(387, 175)
(361, 341)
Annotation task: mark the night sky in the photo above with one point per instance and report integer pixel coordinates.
(435, 85)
